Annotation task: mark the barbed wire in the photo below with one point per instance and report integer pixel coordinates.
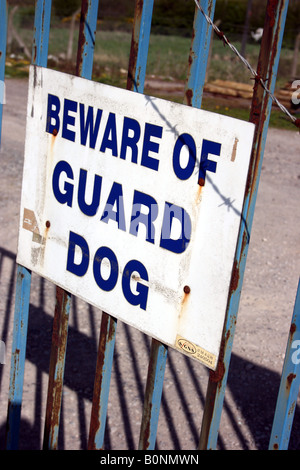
(222, 36)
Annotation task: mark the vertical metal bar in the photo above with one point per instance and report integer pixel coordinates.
(156, 372)
(289, 385)
(199, 52)
(3, 35)
(41, 32)
(18, 357)
(139, 45)
(260, 112)
(102, 381)
(39, 57)
(84, 65)
(56, 369)
(158, 356)
(86, 40)
(135, 81)
(61, 314)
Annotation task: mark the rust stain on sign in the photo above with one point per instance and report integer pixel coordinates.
(233, 155)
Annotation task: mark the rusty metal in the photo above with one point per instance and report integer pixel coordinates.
(84, 65)
(39, 57)
(41, 32)
(139, 45)
(260, 112)
(156, 371)
(135, 81)
(198, 57)
(20, 327)
(102, 381)
(56, 369)
(289, 385)
(158, 356)
(87, 37)
(259, 115)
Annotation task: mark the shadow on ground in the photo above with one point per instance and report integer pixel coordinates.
(253, 388)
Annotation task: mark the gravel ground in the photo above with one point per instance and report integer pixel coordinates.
(266, 308)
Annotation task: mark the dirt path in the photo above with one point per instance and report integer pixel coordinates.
(266, 307)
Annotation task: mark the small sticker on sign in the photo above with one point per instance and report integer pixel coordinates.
(30, 222)
(195, 351)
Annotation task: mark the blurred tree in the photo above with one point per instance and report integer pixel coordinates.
(65, 8)
(68, 8)
(246, 27)
(12, 33)
(295, 57)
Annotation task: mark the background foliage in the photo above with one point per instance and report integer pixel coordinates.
(176, 17)
(169, 46)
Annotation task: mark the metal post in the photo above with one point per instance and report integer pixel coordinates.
(289, 385)
(18, 357)
(3, 34)
(193, 96)
(56, 369)
(102, 381)
(156, 372)
(41, 32)
(139, 45)
(135, 81)
(39, 57)
(260, 113)
(84, 65)
(199, 52)
(158, 355)
(86, 40)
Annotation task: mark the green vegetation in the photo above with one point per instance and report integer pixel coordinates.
(277, 118)
(169, 44)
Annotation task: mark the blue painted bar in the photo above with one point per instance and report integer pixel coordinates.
(289, 385)
(57, 368)
(140, 45)
(199, 54)
(136, 77)
(86, 45)
(39, 57)
(84, 68)
(41, 32)
(102, 381)
(87, 37)
(154, 387)
(20, 327)
(3, 35)
(260, 114)
(158, 356)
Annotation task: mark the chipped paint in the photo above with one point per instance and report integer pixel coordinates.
(30, 222)
(234, 149)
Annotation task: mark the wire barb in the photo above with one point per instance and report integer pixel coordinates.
(223, 38)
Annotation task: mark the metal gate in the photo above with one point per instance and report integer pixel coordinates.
(259, 115)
